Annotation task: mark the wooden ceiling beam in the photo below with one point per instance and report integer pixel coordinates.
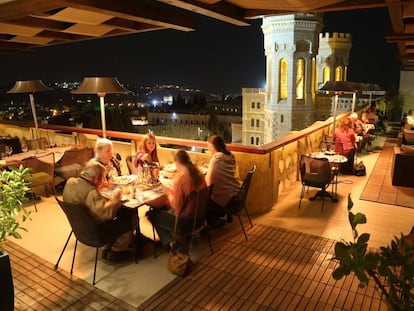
(136, 11)
(17, 46)
(398, 37)
(220, 10)
(22, 8)
(42, 23)
(63, 36)
(361, 5)
(130, 25)
(396, 17)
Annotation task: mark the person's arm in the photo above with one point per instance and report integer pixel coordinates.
(103, 209)
(138, 159)
(211, 171)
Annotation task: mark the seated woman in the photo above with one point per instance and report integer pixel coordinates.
(222, 174)
(188, 178)
(147, 151)
(345, 136)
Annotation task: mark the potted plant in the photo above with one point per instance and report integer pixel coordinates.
(395, 101)
(13, 189)
(391, 267)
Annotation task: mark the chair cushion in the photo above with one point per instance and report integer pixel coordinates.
(40, 178)
(71, 170)
(315, 180)
(407, 149)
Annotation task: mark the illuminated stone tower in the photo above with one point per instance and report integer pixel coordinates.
(291, 44)
(333, 57)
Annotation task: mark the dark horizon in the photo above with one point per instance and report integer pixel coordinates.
(217, 58)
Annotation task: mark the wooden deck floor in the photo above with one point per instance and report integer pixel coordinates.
(276, 269)
(37, 286)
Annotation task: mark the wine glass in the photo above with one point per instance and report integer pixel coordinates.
(25, 148)
(9, 150)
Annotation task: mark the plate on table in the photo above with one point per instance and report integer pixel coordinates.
(132, 203)
(170, 168)
(329, 152)
(123, 180)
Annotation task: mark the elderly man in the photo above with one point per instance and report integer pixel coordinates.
(85, 190)
(104, 156)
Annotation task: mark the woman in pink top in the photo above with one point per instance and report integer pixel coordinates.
(345, 136)
(188, 178)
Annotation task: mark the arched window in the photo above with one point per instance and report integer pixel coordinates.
(283, 78)
(281, 118)
(338, 73)
(257, 140)
(326, 74)
(300, 78)
(251, 140)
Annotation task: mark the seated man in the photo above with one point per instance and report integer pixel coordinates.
(104, 156)
(85, 190)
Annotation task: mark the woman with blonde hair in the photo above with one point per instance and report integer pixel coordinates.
(147, 151)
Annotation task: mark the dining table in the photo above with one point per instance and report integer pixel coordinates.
(135, 194)
(336, 160)
(17, 159)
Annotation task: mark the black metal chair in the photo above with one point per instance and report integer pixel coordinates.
(187, 224)
(315, 173)
(238, 203)
(90, 233)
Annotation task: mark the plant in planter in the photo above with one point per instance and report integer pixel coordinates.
(13, 189)
(391, 268)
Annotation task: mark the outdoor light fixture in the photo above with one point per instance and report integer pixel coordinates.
(345, 87)
(31, 87)
(100, 86)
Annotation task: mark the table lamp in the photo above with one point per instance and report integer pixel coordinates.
(100, 86)
(31, 87)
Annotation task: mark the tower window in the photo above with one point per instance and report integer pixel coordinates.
(252, 105)
(283, 78)
(326, 74)
(258, 105)
(300, 78)
(251, 140)
(252, 122)
(338, 73)
(281, 118)
(257, 123)
(257, 140)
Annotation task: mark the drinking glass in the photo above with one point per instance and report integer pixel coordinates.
(9, 150)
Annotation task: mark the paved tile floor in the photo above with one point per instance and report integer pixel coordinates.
(134, 284)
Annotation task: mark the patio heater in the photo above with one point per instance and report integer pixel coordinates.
(31, 87)
(100, 86)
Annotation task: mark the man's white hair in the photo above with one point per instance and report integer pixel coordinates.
(101, 143)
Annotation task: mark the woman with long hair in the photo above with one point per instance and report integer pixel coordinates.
(147, 151)
(187, 179)
(221, 173)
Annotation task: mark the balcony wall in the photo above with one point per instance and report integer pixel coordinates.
(277, 162)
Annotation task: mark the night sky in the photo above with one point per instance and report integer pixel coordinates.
(217, 57)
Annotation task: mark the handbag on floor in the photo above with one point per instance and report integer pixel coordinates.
(179, 262)
(359, 169)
